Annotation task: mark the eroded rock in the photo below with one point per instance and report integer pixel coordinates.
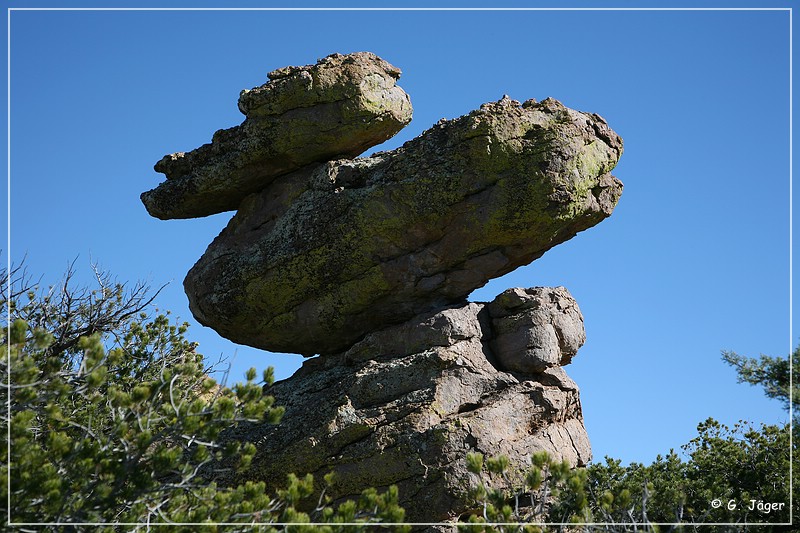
(332, 252)
(535, 329)
(406, 404)
(336, 108)
(368, 261)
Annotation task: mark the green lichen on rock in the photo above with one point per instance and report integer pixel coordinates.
(368, 261)
(338, 107)
(374, 241)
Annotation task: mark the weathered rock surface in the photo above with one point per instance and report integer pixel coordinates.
(368, 261)
(535, 329)
(332, 252)
(337, 108)
(406, 404)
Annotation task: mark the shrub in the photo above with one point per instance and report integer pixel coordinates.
(113, 417)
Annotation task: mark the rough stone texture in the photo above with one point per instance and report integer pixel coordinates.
(368, 262)
(332, 252)
(406, 404)
(337, 108)
(535, 329)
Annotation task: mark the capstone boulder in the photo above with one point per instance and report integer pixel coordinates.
(331, 252)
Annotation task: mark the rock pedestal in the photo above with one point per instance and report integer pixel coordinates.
(368, 262)
(406, 404)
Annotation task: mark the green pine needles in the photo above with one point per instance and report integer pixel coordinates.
(738, 477)
(115, 420)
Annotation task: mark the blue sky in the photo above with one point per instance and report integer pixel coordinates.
(695, 259)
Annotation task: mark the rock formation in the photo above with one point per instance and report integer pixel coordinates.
(337, 108)
(368, 262)
(406, 404)
(339, 249)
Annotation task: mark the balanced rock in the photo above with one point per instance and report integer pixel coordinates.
(329, 253)
(369, 261)
(337, 108)
(406, 404)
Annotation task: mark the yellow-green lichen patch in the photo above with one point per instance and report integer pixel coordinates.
(521, 208)
(375, 241)
(594, 159)
(351, 297)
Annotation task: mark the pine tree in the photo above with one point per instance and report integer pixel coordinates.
(737, 476)
(113, 417)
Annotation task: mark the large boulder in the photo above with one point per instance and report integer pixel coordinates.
(406, 404)
(369, 261)
(338, 107)
(332, 252)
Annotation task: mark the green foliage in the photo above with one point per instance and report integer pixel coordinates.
(114, 419)
(741, 469)
(736, 476)
(728, 471)
(549, 491)
(771, 373)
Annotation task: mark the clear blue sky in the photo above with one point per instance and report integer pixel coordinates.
(694, 260)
